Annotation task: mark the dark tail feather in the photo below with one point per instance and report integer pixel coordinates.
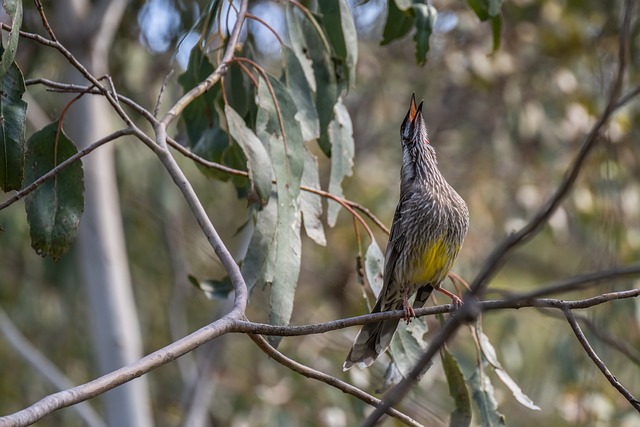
(372, 340)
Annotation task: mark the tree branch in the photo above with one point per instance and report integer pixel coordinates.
(325, 378)
(62, 166)
(599, 363)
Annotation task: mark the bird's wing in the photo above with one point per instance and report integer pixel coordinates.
(394, 248)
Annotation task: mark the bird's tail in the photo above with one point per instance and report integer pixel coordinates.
(372, 340)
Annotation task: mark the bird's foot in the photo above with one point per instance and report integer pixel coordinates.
(409, 313)
(456, 301)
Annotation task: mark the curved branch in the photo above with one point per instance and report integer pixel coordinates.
(327, 379)
(598, 362)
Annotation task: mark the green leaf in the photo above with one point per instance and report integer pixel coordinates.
(287, 157)
(484, 397)
(341, 137)
(399, 23)
(341, 31)
(13, 111)
(55, 208)
(324, 69)
(200, 115)
(374, 267)
(408, 346)
(213, 289)
(302, 95)
(461, 416)
(262, 244)
(490, 353)
(310, 203)
(299, 44)
(496, 27)
(258, 162)
(425, 18)
(14, 9)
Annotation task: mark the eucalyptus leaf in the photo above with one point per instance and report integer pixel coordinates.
(398, 24)
(298, 43)
(301, 94)
(408, 346)
(14, 10)
(213, 289)
(483, 396)
(341, 137)
(13, 111)
(461, 415)
(374, 267)
(258, 161)
(254, 265)
(55, 207)
(490, 353)
(310, 203)
(425, 19)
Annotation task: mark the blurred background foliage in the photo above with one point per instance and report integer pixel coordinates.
(505, 124)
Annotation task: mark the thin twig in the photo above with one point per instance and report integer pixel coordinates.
(162, 88)
(62, 166)
(309, 372)
(598, 362)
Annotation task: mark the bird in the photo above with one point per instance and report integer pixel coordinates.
(429, 226)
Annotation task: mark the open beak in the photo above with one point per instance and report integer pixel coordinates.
(409, 123)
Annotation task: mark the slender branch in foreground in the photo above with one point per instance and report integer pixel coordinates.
(94, 388)
(62, 166)
(598, 362)
(497, 257)
(234, 322)
(327, 379)
(46, 368)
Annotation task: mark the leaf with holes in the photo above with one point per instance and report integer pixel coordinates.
(301, 94)
(341, 32)
(53, 209)
(341, 137)
(13, 116)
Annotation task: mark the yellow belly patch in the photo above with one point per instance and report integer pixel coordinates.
(433, 264)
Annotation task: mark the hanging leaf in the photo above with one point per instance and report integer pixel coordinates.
(490, 353)
(299, 44)
(399, 23)
(13, 111)
(316, 46)
(461, 416)
(213, 289)
(310, 203)
(408, 346)
(341, 32)
(200, 115)
(301, 94)
(490, 9)
(14, 10)
(483, 396)
(287, 157)
(254, 265)
(258, 162)
(53, 209)
(425, 19)
(374, 267)
(341, 137)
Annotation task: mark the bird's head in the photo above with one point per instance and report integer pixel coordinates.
(413, 130)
